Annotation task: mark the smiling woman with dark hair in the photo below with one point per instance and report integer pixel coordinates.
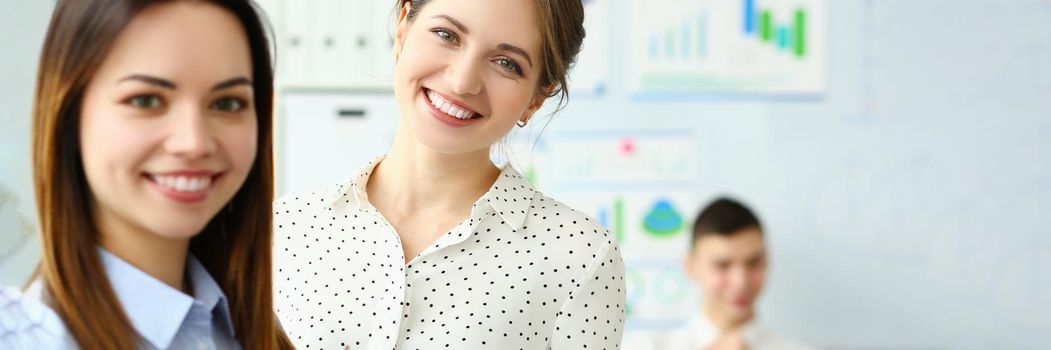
(153, 177)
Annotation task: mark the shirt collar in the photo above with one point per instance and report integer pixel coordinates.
(157, 310)
(351, 194)
(510, 196)
(208, 292)
(703, 332)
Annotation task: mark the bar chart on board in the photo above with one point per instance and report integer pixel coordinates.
(699, 47)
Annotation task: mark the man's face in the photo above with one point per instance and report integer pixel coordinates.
(730, 270)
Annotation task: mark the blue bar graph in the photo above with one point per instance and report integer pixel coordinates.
(702, 35)
(763, 25)
(749, 16)
(681, 41)
(685, 48)
(655, 48)
(669, 42)
(783, 38)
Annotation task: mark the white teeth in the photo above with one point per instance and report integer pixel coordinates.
(447, 107)
(183, 183)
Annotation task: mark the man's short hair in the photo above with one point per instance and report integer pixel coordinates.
(723, 217)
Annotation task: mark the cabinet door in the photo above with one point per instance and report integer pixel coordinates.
(335, 44)
(329, 137)
(294, 44)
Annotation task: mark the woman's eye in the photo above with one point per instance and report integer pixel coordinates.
(228, 105)
(444, 34)
(509, 65)
(145, 101)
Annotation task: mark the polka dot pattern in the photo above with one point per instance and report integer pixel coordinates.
(522, 272)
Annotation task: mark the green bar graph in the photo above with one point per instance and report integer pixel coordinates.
(800, 33)
(766, 26)
(618, 218)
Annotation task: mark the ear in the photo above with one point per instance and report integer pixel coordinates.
(403, 27)
(538, 101)
(690, 268)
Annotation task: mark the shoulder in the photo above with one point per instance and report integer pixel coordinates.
(311, 199)
(325, 198)
(572, 230)
(301, 221)
(27, 323)
(297, 212)
(763, 338)
(550, 213)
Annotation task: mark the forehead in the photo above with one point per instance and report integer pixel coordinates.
(181, 39)
(744, 243)
(510, 21)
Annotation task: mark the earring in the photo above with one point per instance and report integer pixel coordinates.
(521, 124)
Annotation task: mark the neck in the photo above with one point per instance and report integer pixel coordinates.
(413, 177)
(159, 257)
(725, 322)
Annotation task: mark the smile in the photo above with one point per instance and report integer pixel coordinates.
(184, 186)
(449, 108)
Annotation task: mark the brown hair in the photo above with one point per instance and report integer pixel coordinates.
(235, 246)
(723, 217)
(561, 24)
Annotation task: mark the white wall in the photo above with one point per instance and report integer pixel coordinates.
(909, 207)
(22, 28)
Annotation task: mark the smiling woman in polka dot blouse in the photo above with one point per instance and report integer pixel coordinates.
(433, 246)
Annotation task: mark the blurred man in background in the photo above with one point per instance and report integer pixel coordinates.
(728, 262)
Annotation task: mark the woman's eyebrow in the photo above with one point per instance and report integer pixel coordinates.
(229, 83)
(515, 49)
(455, 23)
(151, 80)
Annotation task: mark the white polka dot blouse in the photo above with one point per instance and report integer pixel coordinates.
(522, 272)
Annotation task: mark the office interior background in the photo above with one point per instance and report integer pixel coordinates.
(898, 152)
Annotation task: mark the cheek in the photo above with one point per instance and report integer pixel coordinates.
(510, 100)
(715, 280)
(757, 278)
(104, 155)
(415, 58)
(240, 144)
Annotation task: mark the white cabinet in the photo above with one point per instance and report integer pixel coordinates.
(333, 44)
(328, 137)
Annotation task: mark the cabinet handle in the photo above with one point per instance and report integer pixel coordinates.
(351, 113)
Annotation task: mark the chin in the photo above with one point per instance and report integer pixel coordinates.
(177, 231)
(738, 312)
(448, 144)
